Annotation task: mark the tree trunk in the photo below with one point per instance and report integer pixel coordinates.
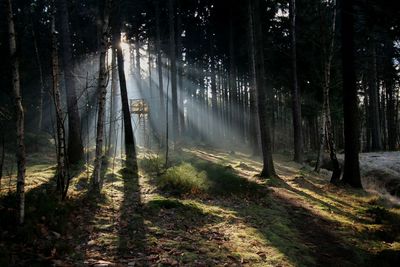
(19, 111)
(263, 114)
(296, 106)
(375, 126)
(172, 56)
(75, 147)
(101, 92)
(390, 97)
(130, 147)
(351, 172)
(327, 132)
(254, 134)
(62, 177)
(113, 101)
(159, 69)
(41, 79)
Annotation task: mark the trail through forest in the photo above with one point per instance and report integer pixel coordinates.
(238, 219)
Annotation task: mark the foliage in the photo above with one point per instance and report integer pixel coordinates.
(184, 179)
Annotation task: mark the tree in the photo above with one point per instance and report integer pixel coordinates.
(62, 162)
(172, 57)
(263, 114)
(351, 171)
(296, 106)
(326, 131)
(130, 147)
(101, 92)
(75, 147)
(19, 112)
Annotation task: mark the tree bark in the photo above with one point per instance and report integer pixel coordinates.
(254, 134)
(130, 147)
(101, 92)
(263, 114)
(19, 111)
(159, 66)
(351, 172)
(62, 177)
(296, 106)
(376, 135)
(172, 56)
(75, 147)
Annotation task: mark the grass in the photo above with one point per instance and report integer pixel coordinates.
(207, 209)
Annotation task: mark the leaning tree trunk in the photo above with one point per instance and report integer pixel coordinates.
(62, 176)
(296, 106)
(351, 171)
(75, 147)
(19, 111)
(130, 147)
(102, 92)
(263, 114)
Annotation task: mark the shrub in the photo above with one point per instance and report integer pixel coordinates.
(151, 164)
(183, 179)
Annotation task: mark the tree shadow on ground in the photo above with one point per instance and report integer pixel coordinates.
(132, 232)
(304, 237)
(52, 228)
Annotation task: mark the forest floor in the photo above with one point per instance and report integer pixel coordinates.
(209, 209)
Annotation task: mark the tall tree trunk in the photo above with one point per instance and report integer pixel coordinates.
(351, 172)
(172, 56)
(327, 132)
(75, 147)
(62, 175)
(130, 147)
(254, 134)
(232, 74)
(113, 101)
(180, 70)
(19, 111)
(263, 114)
(375, 126)
(296, 106)
(390, 97)
(159, 67)
(41, 79)
(101, 92)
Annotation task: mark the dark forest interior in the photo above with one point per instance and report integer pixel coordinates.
(200, 133)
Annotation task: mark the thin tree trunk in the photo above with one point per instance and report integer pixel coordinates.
(296, 106)
(113, 101)
(172, 55)
(102, 92)
(351, 172)
(375, 126)
(19, 111)
(41, 79)
(75, 147)
(159, 67)
(62, 177)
